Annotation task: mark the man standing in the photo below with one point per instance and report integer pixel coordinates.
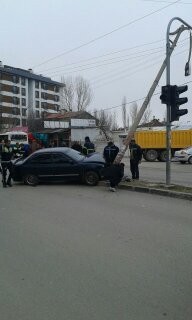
(110, 152)
(135, 158)
(6, 164)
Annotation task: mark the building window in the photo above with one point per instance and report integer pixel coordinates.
(44, 105)
(23, 102)
(23, 81)
(17, 122)
(36, 94)
(23, 91)
(44, 86)
(37, 114)
(56, 89)
(15, 89)
(56, 98)
(15, 79)
(15, 111)
(15, 100)
(37, 84)
(56, 107)
(24, 122)
(44, 95)
(37, 104)
(24, 112)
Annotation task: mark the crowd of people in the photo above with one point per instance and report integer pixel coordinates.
(113, 172)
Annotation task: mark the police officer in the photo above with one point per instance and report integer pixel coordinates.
(17, 152)
(6, 164)
(110, 152)
(88, 147)
(135, 158)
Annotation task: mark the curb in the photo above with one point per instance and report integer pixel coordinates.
(151, 190)
(166, 193)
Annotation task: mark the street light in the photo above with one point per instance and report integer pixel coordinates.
(185, 26)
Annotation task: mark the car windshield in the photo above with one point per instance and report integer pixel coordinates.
(75, 155)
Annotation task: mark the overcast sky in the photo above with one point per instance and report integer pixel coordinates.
(40, 34)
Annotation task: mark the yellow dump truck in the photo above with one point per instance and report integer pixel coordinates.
(153, 143)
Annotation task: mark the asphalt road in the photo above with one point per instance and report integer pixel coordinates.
(80, 253)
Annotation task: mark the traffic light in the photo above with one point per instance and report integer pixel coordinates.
(165, 94)
(176, 101)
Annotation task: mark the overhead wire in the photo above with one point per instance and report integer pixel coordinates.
(160, 1)
(101, 65)
(103, 55)
(130, 74)
(96, 65)
(112, 74)
(106, 34)
(111, 63)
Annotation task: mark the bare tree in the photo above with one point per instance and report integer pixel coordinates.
(133, 112)
(77, 94)
(104, 122)
(128, 121)
(114, 125)
(83, 93)
(67, 97)
(124, 113)
(146, 116)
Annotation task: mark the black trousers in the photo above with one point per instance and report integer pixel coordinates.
(134, 167)
(6, 168)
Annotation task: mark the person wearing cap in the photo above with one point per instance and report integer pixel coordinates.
(110, 152)
(88, 147)
(135, 159)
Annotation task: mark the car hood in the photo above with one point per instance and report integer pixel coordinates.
(94, 157)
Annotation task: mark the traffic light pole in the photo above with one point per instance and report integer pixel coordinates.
(147, 99)
(169, 49)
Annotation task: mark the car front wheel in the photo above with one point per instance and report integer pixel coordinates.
(190, 160)
(31, 180)
(91, 178)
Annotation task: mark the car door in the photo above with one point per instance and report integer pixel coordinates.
(41, 165)
(65, 168)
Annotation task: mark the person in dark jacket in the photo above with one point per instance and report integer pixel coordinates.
(88, 147)
(17, 152)
(135, 159)
(6, 164)
(110, 152)
(114, 173)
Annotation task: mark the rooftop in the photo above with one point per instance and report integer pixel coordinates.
(27, 74)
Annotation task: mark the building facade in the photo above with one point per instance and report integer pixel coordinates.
(23, 93)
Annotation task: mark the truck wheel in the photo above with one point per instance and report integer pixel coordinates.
(163, 156)
(91, 178)
(190, 160)
(151, 155)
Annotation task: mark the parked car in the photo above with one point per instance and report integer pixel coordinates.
(184, 155)
(59, 164)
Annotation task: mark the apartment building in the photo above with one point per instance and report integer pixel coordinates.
(22, 93)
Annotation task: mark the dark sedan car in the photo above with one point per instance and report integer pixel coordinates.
(58, 164)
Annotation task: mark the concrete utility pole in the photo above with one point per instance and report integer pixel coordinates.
(169, 50)
(146, 102)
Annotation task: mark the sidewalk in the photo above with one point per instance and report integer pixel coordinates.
(174, 191)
